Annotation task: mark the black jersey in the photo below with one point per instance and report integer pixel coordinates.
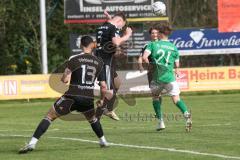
(85, 69)
(105, 47)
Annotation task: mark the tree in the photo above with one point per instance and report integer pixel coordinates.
(20, 31)
(20, 41)
(194, 13)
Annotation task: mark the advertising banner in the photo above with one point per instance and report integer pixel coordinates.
(26, 87)
(75, 43)
(228, 16)
(91, 11)
(205, 41)
(193, 42)
(212, 78)
(190, 79)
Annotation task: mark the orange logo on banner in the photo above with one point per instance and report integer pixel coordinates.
(228, 15)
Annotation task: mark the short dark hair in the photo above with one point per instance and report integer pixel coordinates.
(122, 15)
(152, 28)
(165, 29)
(86, 41)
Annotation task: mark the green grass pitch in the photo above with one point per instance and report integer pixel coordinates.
(215, 134)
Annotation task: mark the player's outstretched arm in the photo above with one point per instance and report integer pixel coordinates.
(107, 14)
(119, 40)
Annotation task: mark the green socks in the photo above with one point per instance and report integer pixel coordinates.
(182, 106)
(157, 108)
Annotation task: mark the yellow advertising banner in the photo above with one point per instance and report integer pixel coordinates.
(210, 78)
(50, 86)
(26, 87)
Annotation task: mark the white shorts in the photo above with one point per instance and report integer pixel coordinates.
(171, 88)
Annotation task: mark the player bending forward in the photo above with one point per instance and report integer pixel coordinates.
(165, 57)
(81, 72)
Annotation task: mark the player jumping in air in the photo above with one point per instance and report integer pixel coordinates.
(108, 39)
(81, 72)
(165, 57)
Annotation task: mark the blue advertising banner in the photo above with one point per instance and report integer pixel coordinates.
(205, 41)
(188, 42)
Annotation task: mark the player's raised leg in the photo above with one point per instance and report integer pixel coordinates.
(111, 105)
(107, 108)
(107, 105)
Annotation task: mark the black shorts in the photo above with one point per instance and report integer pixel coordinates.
(108, 73)
(66, 104)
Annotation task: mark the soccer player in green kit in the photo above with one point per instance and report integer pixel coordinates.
(165, 57)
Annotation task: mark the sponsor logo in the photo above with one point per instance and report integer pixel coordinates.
(113, 1)
(202, 40)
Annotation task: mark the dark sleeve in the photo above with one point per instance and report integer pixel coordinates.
(142, 51)
(69, 65)
(114, 32)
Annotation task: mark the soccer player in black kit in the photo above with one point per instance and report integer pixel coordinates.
(82, 70)
(108, 39)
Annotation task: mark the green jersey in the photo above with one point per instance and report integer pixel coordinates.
(164, 54)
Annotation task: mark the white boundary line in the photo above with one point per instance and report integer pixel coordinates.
(108, 128)
(137, 146)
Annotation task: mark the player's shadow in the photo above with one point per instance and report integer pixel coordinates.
(55, 79)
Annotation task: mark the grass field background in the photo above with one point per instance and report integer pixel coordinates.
(216, 130)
